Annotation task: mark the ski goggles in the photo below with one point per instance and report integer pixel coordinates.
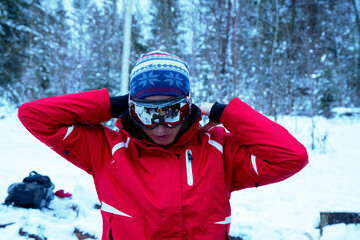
(150, 113)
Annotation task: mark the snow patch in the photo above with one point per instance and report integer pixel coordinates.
(288, 210)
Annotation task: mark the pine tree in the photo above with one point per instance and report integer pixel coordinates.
(104, 46)
(166, 26)
(14, 40)
(60, 40)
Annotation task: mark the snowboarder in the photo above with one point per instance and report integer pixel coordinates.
(164, 177)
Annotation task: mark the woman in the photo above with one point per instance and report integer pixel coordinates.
(162, 175)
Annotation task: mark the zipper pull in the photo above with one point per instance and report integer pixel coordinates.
(189, 173)
(190, 158)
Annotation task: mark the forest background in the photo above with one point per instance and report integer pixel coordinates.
(283, 57)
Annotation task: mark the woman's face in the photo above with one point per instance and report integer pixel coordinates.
(160, 134)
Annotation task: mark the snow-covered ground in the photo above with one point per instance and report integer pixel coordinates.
(284, 211)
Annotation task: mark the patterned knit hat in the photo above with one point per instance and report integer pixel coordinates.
(159, 73)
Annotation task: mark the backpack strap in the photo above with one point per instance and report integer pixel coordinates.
(33, 173)
(38, 178)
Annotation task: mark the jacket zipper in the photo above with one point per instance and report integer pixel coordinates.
(189, 173)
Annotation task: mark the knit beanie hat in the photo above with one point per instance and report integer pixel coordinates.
(159, 73)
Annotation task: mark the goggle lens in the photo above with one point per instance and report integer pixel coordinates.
(170, 113)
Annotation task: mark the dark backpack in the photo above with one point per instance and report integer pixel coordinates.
(36, 191)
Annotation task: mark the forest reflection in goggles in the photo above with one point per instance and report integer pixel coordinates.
(150, 113)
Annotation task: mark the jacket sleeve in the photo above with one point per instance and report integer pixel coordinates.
(258, 151)
(69, 124)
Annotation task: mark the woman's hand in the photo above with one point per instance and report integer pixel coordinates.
(205, 110)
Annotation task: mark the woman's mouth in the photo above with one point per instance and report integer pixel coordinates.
(162, 137)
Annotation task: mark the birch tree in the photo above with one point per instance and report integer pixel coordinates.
(126, 47)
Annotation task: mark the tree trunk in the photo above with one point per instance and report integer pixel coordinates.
(235, 48)
(126, 49)
(356, 16)
(273, 84)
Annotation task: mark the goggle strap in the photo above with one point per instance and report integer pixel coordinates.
(159, 103)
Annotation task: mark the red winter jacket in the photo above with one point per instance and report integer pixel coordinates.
(148, 192)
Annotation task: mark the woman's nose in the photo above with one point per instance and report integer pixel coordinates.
(159, 129)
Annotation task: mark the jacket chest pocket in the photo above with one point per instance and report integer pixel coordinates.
(198, 174)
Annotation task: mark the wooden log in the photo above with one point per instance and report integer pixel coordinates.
(5, 225)
(82, 236)
(235, 238)
(331, 218)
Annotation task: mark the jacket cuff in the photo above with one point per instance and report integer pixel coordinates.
(119, 105)
(216, 112)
